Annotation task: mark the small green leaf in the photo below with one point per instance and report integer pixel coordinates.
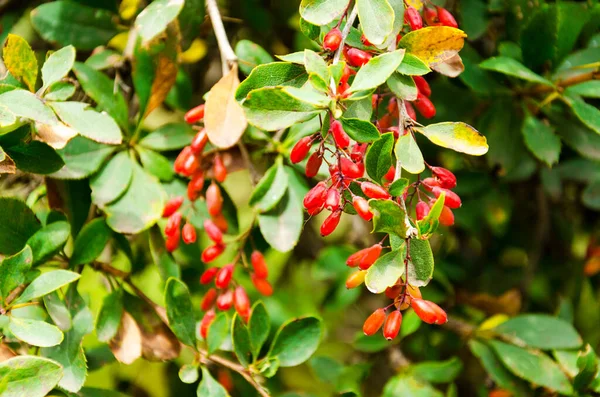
(429, 224)
(398, 187)
(241, 341)
(457, 136)
(438, 371)
(590, 196)
(169, 137)
(495, 369)
(413, 66)
(296, 341)
(541, 331)
(58, 311)
(46, 283)
(409, 155)
(420, 266)
(587, 365)
(35, 157)
(24, 104)
(272, 75)
(406, 384)
(321, 12)
(48, 241)
(188, 373)
(34, 332)
(112, 180)
(29, 376)
(250, 55)
(217, 332)
(98, 127)
(588, 89)
(109, 317)
(403, 86)
(156, 16)
(82, 158)
(90, 242)
(541, 140)
(377, 71)
(60, 91)
(180, 311)
(156, 164)
(513, 68)
(270, 189)
(20, 60)
(316, 65)
(17, 224)
(209, 387)
(360, 130)
(288, 99)
(57, 66)
(386, 271)
(259, 327)
(388, 217)
(13, 270)
(376, 19)
(167, 266)
(378, 159)
(588, 114)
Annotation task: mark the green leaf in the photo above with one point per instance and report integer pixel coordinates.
(270, 189)
(102, 90)
(541, 140)
(66, 22)
(29, 376)
(13, 270)
(407, 385)
(495, 368)
(438, 371)
(139, 207)
(34, 332)
(60, 91)
(289, 99)
(316, 65)
(379, 158)
(587, 365)
(386, 271)
(240, 339)
(217, 332)
(250, 55)
(90, 242)
(58, 311)
(588, 114)
(321, 12)
(413, 66)
(377, 70)
(209, 387)
(536, 368)
(420, 266)
(20, 60)
(259, 327)
(513, 68)
(430, 223)
(82, 158)
(590, 196)
(360, 130)
(409, 155)
(403, 86)
(96, 126)
(180, 311)
(457, 136)
(361, 109)
(17, 224)
(167, 267)
(35, 157)
(156, 164)
(188, 373)
(156, 16)
(388, 217)
(46, 283)
(541, 331)
(588, 89)
(109, 317)
(57, 66)
(376, 19)
(272, 75)
(296, 341)
(48, 241)
(24, 104)
(273, 120)
(398, 187)
(169, 137)
(112, 180)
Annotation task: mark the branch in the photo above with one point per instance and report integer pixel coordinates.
(345, 33)
(562, 84)
(227, 54)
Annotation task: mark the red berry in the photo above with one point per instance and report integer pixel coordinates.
(393, 291)
(172, 206)
(374, 191)
(262, 286)
(371, 254)
(316, 196)
(424, 106)
(342, 140)
(300, 149)
(422, 209)
(422, 85)
(391, 174)
(225, 300)
(365, 41)
(219, 169)
(374, 322)
(241, 302)
(173, 224)
(357, 58)
(332, 39)
(194, 115)
(221, 222)
(352, 170)
(208, 275)
(428, 311)
(413, 18)
(209, 299)
(213, 232)
(172, 241)
(223, 276)
(445, 177)
(392, 325)
(355, 279)
(358, 152)
(212, 252)
(332, 202)
(208, 318)
(430, 15)
(195, 186)
(224, 378)
(182, 158)
(188, 233)
(259, 264)
(410, 110)
(214, 200)
(446, 217)
(392, 106)
(452, 199)
(313, 164)
(346, 75)
(190, 165)
(330, 223)
(430, 183)
(446, 18)
(362, 207)
(315, 211)
(199, 141)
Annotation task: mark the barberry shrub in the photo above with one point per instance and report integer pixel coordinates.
(142, 225)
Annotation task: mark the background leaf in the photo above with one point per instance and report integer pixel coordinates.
(296, 341)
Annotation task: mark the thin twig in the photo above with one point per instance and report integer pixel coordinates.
(345, 33)
(227, 54)
(562, 84)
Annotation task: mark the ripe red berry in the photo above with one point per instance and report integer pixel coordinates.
(374, 191)
(172, 241)
(392, 325)
(413, 18)
(422, 209)
(428, 311)
(357, 58)
(424, 106)
(300, 149)
(332, 202)
(351, 169)
(212, 252)
(391, 174)
(330, 223)
(332, 39)
(315, 210)
(452, 199)
(430, 183)
(194, 115)
(410, 110)
(342, 140)
(259, 264)
(262, 286)
(371, 254)
(430, 15)
(446, 18)
(219, 169)
(199, 141)
(422, 85)
(365, 41)
(358, 152)
(188, 233)
(195, 186)
(190, 165)
(208, 275)
(182, 158)
(173, 224)
(209, 299)
(221, 222)
(225, 300)
(213, 232)
(446, 217)
(223, 276)
(346, 75)
(208, 318)
(214, 200)
(445, 177)
(355, 279)
(316, 196)
(241, 302)
(313, 164)
(362, 207)
(374, 322)
(171, 206)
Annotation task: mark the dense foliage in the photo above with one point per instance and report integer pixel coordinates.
(182, 212)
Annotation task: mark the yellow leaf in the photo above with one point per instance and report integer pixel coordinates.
(457, 136)
(224, 118)
(119, 42)
(166, 74)
(434, 44)
(57, 135)
(20, 60)
(128, 8)
(493, 321)
(418, 4)
(196, 52)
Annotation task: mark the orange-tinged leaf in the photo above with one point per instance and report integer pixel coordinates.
(57, 135)
(591, 268)
(457, 136)
(20, 60)
(127, 344)
(166, 74)
(418, 4)
(451, 67)
(434, 44)
(225, 120)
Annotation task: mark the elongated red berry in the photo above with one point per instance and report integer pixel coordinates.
(219, 169)
(199, 141)
(223, 276)
(422, 85)
(446, 217)
(332, 40)
(225, 300)
(194, 115)
(342, 140)
(365, 41)
(362, 208)
(430, 183)
(391, 174)
(214, 199)
(313, 164)
(422, 209)
(172, 241)
(357, 58)
(209, 299)
(190, 165)
(316, 196)
(452, 199)
(173, 224)
(208, 275)
(392, 325)
(346, 75)
(351, 169)
(259, 264)
(374, 322)
(355, 279)
(195, 186)
(212, 252)
(221, 222)
(446, 178)
(188, 233)
(182, 158)
(330, 223)
(171, 206)
(332, 202)
(413, 18)
(446, 18)
(241, 301)
(300, 149)
(428, 311)
(424, 106)
(213, 232)
(358, 152)
(430, 15)
(208, 318)
(374, 191)
(371, 254)
(262, 286)
(410, 110)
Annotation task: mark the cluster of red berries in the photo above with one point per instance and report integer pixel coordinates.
(442, 181)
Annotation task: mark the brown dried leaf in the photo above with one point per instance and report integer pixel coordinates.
(160, 344)
(224, 120)
(451, 67)
(57, 135)
(166, 74)
(127, 344)
(7, 165)
(6, 353)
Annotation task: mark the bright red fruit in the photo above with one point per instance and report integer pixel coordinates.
(351, 169)
(214, 200)
(355, 279)
(208, 275)
(316, 196)
(392, 325)
(330, 223)
(446, 18)
(209, 299)
(374, 191)
(313, 164)
(332, 39)
(219, 169)
(300, 149)
(430, 183)
(446, 217)
(365, 41)
(262, 286)
(342, 140)
(422, 85)
(452, 199)
(182, 158)
(430, 15)
(422, 209)
(259, 264)
(223, 276)
(172, 241)
(194, 115)
(221, 222)
(346, 75)
(173, 224)
(357, 58)
(332, 201)
(391, 174)
(410, 110)
(428, 311)
(172, 206)
(225, 300)
(393, 291)
(195, 186)
(424, 106)
(413, 18)
(199, 141)
(370, 256)
(213, 232)
(362, 207)
(445, 177)
(188, 233)
(241, 302)
(212, 252)
(358, 152)
(374, 322)
(208, 318)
